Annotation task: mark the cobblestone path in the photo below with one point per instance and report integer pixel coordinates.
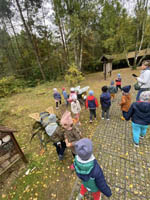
(126, 168)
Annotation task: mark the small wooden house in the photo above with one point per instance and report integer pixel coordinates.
(10, 152)
(107, 64)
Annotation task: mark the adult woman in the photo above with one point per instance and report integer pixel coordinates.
(144, 78)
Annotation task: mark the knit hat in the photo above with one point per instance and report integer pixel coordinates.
(72, 89)
(55, 89)
(91, 92)
(126, 89)
(145, 96)
(66, 119)
(118, 75)
(112, 83)
(83, 148)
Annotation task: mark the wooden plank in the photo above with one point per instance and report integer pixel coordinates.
(2, 172)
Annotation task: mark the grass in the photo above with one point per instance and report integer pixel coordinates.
(50, 179)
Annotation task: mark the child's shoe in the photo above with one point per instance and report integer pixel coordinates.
(108, 119)
(102, 118)
(79, 197)
(90, 121)
(141, 136)
(136, 145)
(60, 157)
(57, 108)
(72, 167)
(122, 118)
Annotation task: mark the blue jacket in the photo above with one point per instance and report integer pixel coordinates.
(91, 102)
(139, 112)
(91, 172)
(65, 94)
(57, 96)
(105, 100)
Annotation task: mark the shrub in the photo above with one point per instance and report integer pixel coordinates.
(73, 75)
(10, 85)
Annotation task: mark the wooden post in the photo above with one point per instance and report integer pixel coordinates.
(18, 148)
(104, 70)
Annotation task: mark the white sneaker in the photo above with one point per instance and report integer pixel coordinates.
(108, 119)
(102, 118)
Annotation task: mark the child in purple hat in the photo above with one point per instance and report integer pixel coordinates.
(89, 171)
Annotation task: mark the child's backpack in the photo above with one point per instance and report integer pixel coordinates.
(44, 118)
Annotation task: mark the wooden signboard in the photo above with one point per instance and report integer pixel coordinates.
(10, 151)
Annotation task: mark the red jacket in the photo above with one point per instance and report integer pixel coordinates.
(91, 102)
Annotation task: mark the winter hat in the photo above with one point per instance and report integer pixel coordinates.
(55, 89)
(112, 83)
(83, 148)
(145, 96)
(118, 75)
(126, 89)
(66, 119)
(72, 89)
(91, 92)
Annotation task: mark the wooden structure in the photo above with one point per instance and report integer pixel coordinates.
(107, 64)
(10, 152)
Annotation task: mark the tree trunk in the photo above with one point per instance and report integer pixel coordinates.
(31, 40)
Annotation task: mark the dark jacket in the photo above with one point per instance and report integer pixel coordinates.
(91, 102)
(105, 100)
(92, 172)
(57, 96)
(112, 89)
(139, 113)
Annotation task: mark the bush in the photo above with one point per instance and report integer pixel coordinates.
(10, 85)
(73, 75)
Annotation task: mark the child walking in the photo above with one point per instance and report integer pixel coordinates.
(72, 134)
(112, 90)
(65, 95)
(118, 82)
(92, 104)
(105, 101)
(139, 113)
(125, 100)
(75, 108)
(89, 171)
(57, 97)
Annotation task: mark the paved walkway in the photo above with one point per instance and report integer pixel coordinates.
(126, 168)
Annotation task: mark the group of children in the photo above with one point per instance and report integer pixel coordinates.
(85, 164)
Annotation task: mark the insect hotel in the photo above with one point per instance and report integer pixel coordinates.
(107, 64)
(10, 152)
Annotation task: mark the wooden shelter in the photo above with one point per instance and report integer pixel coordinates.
(107, 64)
(10, 152)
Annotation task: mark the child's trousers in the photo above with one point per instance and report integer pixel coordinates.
(96, 195)
(138, 130)
(92, 113)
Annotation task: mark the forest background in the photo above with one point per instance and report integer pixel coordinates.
(40, 39)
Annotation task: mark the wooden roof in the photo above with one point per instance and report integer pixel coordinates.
(122, 56)
(106, 58)
(131, 54)
(6, 129)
